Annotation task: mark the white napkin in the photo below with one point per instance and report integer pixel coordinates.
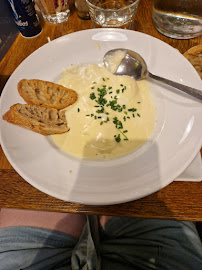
(193, 172)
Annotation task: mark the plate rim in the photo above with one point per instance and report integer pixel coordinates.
(53, 194)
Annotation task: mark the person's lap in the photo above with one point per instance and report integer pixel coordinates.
(43, 219)
(120, 243)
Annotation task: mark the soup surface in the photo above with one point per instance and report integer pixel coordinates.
(113, 116)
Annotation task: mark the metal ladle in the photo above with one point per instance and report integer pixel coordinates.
(134, 65)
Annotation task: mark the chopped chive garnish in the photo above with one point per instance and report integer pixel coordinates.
(138, 114)
(117, 123)
(99, 97)
(78, 110)
(101, 110)
(123, 134)
(117, 138)
(132, 110)
(92, 96)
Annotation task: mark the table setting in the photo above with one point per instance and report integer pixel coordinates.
(160, 179)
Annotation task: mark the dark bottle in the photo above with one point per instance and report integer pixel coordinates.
(25, 17)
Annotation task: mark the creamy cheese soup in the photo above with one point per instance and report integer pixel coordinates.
(113, 116)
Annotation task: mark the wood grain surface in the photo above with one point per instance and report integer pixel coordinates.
(179, 200)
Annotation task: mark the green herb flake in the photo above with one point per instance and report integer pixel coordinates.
(117, 138)
(92, 96)
(123, 134)
(101, 110)
(132, 110)
(117, 123)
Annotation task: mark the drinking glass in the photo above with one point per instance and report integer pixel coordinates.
(180, 19)
(54, 11)
(108, 13)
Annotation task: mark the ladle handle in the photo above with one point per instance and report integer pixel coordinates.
(186, 89)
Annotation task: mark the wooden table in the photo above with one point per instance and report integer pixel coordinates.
(179, 200)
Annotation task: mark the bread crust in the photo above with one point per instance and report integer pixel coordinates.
(47, 94)
(43, 120)
(194, 55)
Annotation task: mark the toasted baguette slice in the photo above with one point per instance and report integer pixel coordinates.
(47, 94)
(45, 121)
(194, 55)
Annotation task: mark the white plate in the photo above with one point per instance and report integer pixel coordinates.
(175, 141)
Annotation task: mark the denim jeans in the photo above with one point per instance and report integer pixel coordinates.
(123, 243)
